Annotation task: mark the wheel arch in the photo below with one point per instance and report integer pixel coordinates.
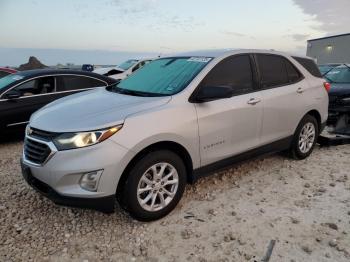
(175, 147)
(317, 116)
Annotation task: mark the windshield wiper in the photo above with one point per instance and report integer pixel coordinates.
(328, 71)
(129, 92)
(124, 91)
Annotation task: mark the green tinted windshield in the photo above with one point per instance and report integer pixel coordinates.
(5, 81)
(325, 68)
(339, 75)
(127, 64)
(165, 76)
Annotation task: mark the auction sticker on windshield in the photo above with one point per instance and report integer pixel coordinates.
(199, 59)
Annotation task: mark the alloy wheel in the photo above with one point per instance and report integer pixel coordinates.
(157, 186)
(307, 137)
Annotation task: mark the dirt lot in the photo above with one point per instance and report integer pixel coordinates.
(231, 216)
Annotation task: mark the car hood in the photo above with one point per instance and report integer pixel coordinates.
(339, 89)
(91, 110)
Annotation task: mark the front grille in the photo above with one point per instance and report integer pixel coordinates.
(35, 151)
(42, 135)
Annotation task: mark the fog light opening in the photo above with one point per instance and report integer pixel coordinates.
(89, 181)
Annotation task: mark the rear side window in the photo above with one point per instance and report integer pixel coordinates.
(293, 74)
(309, 65)
(235, 72)
(272, 70)
(73, 82)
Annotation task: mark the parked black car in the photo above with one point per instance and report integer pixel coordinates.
(339, 98)
(23, 93)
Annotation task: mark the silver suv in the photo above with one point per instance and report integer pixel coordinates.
(140, 141)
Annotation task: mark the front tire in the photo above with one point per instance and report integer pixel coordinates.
(305, 138)
(154, 185)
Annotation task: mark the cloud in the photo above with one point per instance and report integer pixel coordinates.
(333, 15)
(126, 7)
(237, 34)
(234, 33)
(134, 12)
(299, 37)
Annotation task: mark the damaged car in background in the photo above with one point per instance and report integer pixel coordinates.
(123, 70)
(339, 99)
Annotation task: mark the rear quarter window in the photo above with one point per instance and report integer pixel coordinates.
(309, 65)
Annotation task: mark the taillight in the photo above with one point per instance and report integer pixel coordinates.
(327, 86)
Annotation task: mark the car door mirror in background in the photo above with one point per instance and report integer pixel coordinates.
(13, 94)
(211, 93)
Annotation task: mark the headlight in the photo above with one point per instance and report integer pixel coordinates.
(28, 130)
(67, 141)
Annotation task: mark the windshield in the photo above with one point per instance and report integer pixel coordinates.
(325, 68)
(127, 64)
(165, 76)
(5, 81)
(339, 75)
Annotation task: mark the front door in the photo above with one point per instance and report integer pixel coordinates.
(34, 93)
(230, 126)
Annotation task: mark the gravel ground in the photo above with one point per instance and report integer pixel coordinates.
(230, 216)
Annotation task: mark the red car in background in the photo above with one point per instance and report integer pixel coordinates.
(4, 71)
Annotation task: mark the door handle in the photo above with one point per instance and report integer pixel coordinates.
(253, 101)
(300, 90)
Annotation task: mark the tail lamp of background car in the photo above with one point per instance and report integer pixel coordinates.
(327, 86)
(68, 141)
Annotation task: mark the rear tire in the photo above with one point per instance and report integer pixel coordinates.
(305, 138)
(154, 185)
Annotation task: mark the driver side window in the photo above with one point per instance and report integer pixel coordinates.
(43, 85)
(234, 72)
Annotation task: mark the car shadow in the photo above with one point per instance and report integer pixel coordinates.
(11, 137)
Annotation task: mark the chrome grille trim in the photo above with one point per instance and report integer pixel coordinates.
(37, 152)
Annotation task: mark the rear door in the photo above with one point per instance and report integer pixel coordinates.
(230, 126)
(35, 93)
(283, 88)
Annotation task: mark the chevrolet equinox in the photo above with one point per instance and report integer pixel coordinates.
(141, 140)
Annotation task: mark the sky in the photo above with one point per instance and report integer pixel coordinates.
(109, 31)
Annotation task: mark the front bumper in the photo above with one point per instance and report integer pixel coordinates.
(59, 177)
(103, 204)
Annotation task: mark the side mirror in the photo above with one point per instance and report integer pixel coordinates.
(211, 93)
(13, 94)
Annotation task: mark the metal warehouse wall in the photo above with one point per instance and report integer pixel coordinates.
(330, 50)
